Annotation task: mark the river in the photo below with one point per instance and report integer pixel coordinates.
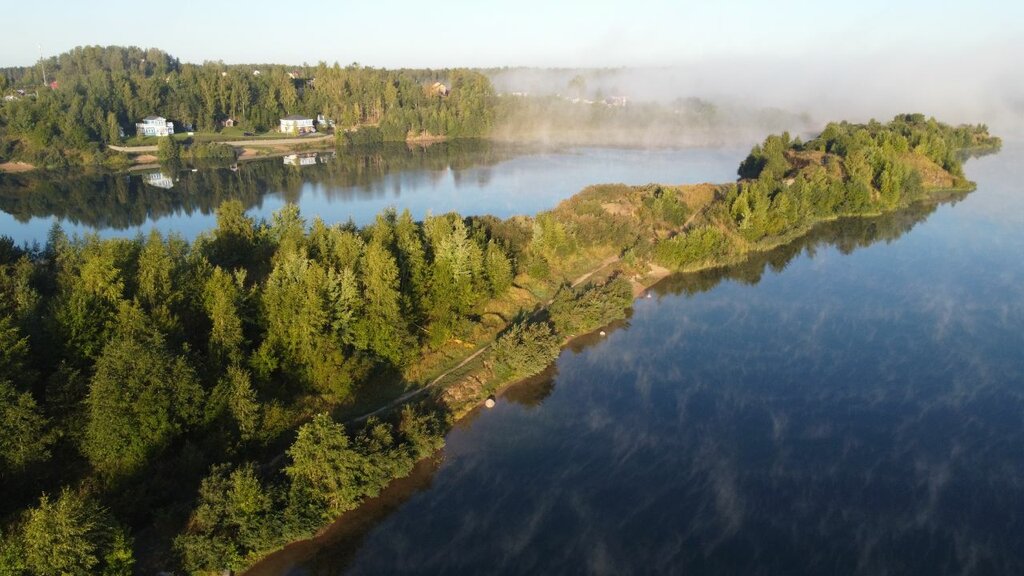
(850, 404)
(470, 177)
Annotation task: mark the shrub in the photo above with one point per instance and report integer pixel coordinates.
(697, 246)
(524, 350)
(578, 310)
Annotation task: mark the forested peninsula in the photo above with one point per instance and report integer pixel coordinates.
(167, 405)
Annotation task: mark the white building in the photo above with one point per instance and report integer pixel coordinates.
(297, 124)
(154, 126)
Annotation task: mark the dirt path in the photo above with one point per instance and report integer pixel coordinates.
(420, 391)
(658, 272)
(236, 143)
(693, 217)
(16, 167)
(604, 264)
(132, 149)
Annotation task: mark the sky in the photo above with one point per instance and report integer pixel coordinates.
(551, 33)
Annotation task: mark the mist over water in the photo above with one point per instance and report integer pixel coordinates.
(752, 94)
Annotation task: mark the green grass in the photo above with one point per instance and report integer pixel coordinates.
(226, 134)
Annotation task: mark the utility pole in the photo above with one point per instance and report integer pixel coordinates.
(42, 65)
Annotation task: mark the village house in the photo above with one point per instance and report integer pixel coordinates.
(229, 123)
(297, 124)
(154, 126)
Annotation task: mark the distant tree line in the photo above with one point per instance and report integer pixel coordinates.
(100, 92)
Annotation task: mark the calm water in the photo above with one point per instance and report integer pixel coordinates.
(853, 404)
(468, 177)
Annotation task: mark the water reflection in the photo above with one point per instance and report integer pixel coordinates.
(845, 235)
(471, 177)
(158, 179)
(532, 392)
(843, 417)
(103, 201)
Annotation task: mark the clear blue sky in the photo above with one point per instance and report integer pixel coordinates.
(445, 33)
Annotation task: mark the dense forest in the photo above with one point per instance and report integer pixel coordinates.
(167, 405)
(91, 95)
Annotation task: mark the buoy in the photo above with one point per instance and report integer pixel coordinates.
(489, 402)
(602, 333)
(648, 294)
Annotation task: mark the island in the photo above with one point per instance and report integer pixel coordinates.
(167, 405)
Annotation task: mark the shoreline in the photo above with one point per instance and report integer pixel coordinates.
(510, 321)
(465, 411)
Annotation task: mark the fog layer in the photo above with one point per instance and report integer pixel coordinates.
(980, 85)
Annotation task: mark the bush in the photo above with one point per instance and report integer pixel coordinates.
(365, 136)
(235, 517)
(340, 472)
(524, 350)
(664, 205)
(698, 246)
(423, 432)
(212, 151)
(74, 535)
(168, 151)
(578, 310)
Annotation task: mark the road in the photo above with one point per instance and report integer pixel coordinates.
(236, 143)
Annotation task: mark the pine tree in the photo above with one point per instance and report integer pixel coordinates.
(382, 329)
